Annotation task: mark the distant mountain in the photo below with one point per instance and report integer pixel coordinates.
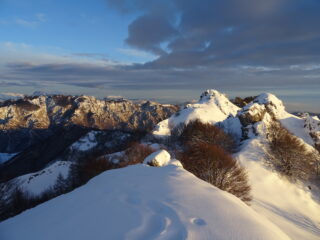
(36, 125)
(43, 112)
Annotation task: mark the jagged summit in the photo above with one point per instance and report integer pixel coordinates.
(271, 103)
(211, 94)
(212, 107)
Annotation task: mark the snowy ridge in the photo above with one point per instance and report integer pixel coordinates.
(141, 202)
(292, 207)
(213, 107)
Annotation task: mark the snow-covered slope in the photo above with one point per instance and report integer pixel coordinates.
(213, 107)
(141, 202)
(38, 182)
(290, 206)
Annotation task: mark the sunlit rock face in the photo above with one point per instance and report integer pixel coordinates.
(42, 112)
(29, 120)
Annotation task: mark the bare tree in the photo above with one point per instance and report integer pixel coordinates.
(196, 131)
(289, 155)
(135, 154)
(61, 185)
(211, 163)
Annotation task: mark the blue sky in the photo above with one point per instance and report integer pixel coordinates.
(168, 50)
(68, 27)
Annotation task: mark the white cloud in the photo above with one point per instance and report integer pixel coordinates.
(12, 94)
(135, 53)
(114, 97)
(12, 52)
(258, 68)
(305, 67)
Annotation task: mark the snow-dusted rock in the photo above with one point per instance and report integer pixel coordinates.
(266, 107)
(271, 102)
(159, 158)
(312, 125)
(85, 143)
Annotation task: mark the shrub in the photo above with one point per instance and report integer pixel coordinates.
(213, 164)
(196, 131)
(135, 154)
(288, 154)
(82, 171)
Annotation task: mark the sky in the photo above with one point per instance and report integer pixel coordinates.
(163, 50)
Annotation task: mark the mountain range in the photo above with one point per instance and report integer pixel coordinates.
(42, 137)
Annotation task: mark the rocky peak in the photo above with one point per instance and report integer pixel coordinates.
(273, 104)
(218, 100)
(261, 105)
(312, 126)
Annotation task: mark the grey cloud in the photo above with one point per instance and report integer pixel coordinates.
(148, 32)
(225, 33)
(138, 76)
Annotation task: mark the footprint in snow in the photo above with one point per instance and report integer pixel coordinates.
(198, 221)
